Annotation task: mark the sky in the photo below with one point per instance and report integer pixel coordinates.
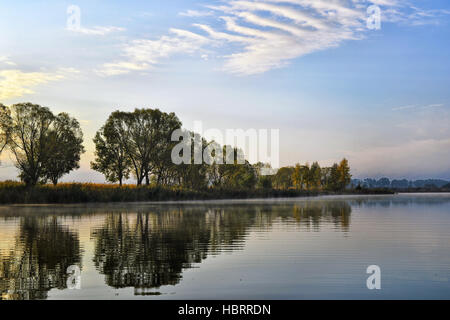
(332, 83)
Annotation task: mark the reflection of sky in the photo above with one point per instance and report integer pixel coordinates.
(381, 100)
(406, 235)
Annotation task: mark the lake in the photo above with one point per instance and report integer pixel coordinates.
(308, 248)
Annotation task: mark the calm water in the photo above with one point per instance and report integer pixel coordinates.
(259, 249)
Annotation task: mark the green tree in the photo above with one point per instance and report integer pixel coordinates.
(145, 137)
(333, 180)
(344, 174)
(28, 128)
(5, 126)
(315, 175)
(301, 176)
(110, 155)
(65, 141)
(283, 179)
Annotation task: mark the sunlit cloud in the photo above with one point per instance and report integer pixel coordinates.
(15, 83)
(6, 61)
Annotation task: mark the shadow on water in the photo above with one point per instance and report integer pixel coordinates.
(146, 246)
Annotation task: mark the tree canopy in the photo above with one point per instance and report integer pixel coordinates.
(44, 146)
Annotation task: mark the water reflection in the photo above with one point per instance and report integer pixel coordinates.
(147, 246)
(150, 249)
(38, 262)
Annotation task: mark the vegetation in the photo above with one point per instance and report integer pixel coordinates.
(18, 192)
(45, 146)
(139, 144)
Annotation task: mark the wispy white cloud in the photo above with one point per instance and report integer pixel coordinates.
(413, 16)
(418, 107)
(97, 31)
(195, 13)
(266, 34)
(143, 54)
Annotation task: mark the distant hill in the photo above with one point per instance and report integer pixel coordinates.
(400, 184)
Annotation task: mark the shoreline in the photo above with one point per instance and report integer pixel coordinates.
(76, 193)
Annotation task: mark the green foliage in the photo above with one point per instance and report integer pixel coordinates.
(139, 143)
(5, 125)
(283, 178)
(16, 192)
(45, 146)
(65, 141)
(110, 155)
(304, 177)
(144, 139)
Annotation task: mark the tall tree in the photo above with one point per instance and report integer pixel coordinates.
(65, 146)
(283, 178)
(144, 136)
(315, 175)
(344, 174)
(5, 125)
(333, 180)
(28, 128)
(110, 155)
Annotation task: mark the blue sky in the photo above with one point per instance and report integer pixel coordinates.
(310, 68)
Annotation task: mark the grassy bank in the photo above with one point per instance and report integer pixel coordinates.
(18, 193)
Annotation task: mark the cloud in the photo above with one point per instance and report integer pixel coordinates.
(413, 16)
(261, 35)
(409, 107)
(143, 54)
(6, 60)
(195, 13)
(97, 31)
(16, 83)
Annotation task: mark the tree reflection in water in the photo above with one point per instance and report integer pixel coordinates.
(148, 250)
(145, 246)
(38, 262)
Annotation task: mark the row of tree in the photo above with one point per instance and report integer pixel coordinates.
(306, 177)
(139, 144)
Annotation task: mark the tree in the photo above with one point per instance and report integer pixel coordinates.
(110, 155)
(333, 180)
(344, 174)
(65, 141)
(28, 128)
(283, 178)
(301, 176)
(44, 146)
(145, 138)
(315, 175)
(5, 125)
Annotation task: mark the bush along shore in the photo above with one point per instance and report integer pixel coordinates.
(20, 193)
